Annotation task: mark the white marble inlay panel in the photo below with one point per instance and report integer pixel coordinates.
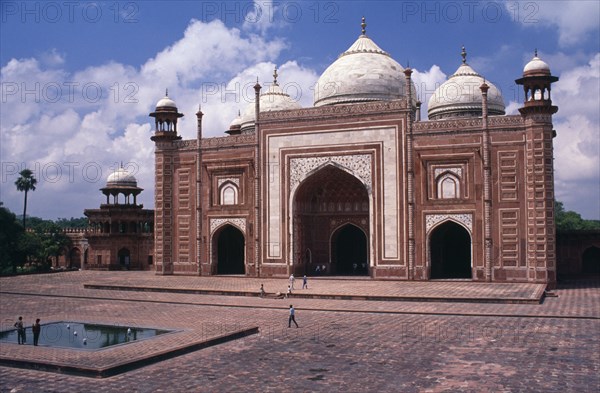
(235, 221)
(391, 158)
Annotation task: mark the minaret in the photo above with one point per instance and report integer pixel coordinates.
(165, 136)
(257, 173)
(537, 112)
(199, 217)
(410, 178)
(487, 183)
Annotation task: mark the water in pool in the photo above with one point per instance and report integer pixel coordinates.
(85, 336)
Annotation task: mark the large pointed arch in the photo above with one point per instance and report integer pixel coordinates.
(330, 195)
(228, 250)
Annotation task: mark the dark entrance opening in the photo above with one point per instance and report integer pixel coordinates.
(327, 198)
(590, 261)
(450, 246)
(124, 258)
(75, 258)
(349, 251)
(230, 251)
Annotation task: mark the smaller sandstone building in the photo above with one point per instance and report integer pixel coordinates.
(121, 232)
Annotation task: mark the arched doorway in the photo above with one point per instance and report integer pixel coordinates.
(327, 198)
(349, 251)
(229, 245)
(450, 251)
(75, 258)
(124, 258)
(590, 261)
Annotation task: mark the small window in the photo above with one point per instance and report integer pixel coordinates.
(448, 187)
(229, 194)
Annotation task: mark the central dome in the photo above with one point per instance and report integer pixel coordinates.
(364, 72)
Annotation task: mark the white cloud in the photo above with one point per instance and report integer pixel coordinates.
(72, 143)
(577, 144)
(426, 82)
(575, 20)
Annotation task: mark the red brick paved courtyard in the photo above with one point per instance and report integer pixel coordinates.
(341, 345)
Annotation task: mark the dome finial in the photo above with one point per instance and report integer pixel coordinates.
(535, 53)
(464, 55)
(166, 92)
(363, 25)
(275, 76)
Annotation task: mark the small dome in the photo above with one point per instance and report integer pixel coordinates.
(166, 102)
(237, 122)
(536, 66)
(121, 178)
(460, 96)
(274, 99)
(363, 73)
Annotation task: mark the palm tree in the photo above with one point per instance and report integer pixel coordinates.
(25, 183)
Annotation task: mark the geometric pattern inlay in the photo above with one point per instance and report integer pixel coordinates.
(237, 222)
(234, 180)
(432, 219)
(358, 164)
(457, 171)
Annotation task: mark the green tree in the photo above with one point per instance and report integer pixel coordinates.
(25, 183)
(53, 241)
(569, 220)
(10, 233)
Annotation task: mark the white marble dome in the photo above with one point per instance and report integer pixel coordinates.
(460, 96)
(166, 102)
(274, 99)
(363, 73)
(121, 178)
(537, 66)
(237, 122)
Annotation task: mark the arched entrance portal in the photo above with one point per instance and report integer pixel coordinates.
(75, 258)
(590, 261)
(329, 207)
(450, 251)
(124, 258)
(349, 251)
(229, 246)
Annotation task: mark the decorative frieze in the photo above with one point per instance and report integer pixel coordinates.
(432, 220)
(358, 165)
(238, 222)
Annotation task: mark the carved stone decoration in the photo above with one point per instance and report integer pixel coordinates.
(358, 165)
(432, 219)
(237, 222)
(234, 180)
(455, 170)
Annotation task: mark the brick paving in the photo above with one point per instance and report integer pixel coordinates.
(341, 345)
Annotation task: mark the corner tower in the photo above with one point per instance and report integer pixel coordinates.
(165, 136)
(537, 112)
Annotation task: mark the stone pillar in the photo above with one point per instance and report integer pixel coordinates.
(487, 186)
(410, 177)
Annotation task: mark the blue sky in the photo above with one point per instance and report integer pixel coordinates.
(79, 78)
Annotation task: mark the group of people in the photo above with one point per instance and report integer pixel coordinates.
(36, 329)
(292, 310)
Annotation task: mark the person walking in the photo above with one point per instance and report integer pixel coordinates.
(292, 317)
(292, 279)
(36, 329)
(304, 282)
(262, 290)
(21, 338)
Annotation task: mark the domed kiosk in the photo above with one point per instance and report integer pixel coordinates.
(121, 232)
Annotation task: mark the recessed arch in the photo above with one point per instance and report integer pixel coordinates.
(228, 247)
(228, 193)
(124, 257)
(590, 261)
(450, 251)
(328, 197)
(448, 186)
(349, 251)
